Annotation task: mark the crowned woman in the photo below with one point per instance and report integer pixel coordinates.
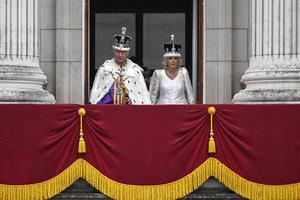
(172, 84)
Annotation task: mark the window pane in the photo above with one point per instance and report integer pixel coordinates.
(106, 25)
(157, 30)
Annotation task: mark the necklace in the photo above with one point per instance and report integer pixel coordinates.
(171, 75)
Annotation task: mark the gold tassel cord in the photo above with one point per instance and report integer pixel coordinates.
(211, 143)
(81, 145)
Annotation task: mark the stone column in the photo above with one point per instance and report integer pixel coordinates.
(21, 78)
(274, 72)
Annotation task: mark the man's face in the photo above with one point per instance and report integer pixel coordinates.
(120, 56)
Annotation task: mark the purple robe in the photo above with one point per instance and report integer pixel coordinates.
(109, 97)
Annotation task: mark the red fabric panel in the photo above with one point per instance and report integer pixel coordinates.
(146, 145)
(260, 142)
(37, 142)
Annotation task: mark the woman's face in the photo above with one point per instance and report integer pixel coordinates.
(172, 62)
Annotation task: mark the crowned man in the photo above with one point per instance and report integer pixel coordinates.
(119, 80)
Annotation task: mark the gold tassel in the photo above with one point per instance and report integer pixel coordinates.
(81, 145)
(211, 143)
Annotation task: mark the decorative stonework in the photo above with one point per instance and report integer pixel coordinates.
(21, 78)
(274, 72)
(271, 81)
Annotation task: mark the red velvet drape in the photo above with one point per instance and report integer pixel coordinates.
(260, 142)
(146, 144)
(149, 145)
(37, 142)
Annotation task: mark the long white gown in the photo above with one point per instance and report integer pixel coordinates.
(164, 90)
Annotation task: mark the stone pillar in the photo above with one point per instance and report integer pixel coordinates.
(21, 78)
(274, 72)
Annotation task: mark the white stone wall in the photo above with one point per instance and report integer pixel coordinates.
(61, 48)
(47, 41)
(241, 41)
(218, 55)
(226, 48)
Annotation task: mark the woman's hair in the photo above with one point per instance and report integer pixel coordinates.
(165, 61)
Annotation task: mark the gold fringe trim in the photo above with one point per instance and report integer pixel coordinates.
(187, 184)
(172, 190)
(252, 190)
(43, 190)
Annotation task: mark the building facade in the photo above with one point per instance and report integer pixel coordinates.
(217, 52)
(228, 45)
(50, 49)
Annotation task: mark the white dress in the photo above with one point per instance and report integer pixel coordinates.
(164, 90)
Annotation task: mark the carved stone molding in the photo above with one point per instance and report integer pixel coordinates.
(274, 72)
(21, 78)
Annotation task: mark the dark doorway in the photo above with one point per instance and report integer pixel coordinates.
(149, 22)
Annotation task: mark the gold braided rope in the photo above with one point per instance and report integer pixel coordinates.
(81, 145)
(211, 143)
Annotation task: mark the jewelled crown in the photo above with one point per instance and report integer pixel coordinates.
(172, 49)
(121, 41)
